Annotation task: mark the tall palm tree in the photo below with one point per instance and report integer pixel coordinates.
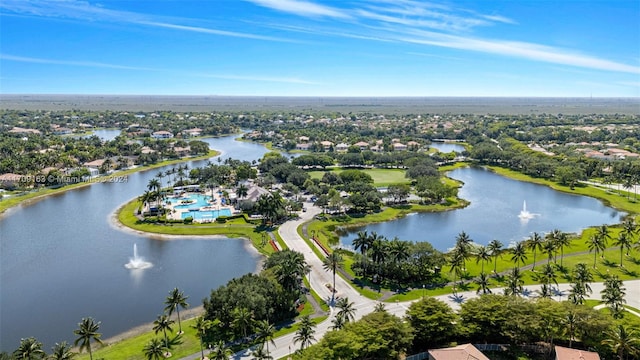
(160, 175)
(630, 228)
(338, 323)
(562, 239)
(463, 241)
(596, 244)
(378, 251)
(154, 349)
(623, 341)
(519, 254)
(456, 261)
(305, 332)
(260, 353)
(29, 349)
(535, 243)
(201, 327)
(362, 243)
(346, 309)
(331, 263)
(603, 233)
(613, 295)
(61, 351)
(514, 282)
(242, 321)
(87, 331)
(549, 248)
(482, 255)
(163, 323)
(266, 331)
(242, 191)
(220, 351)
(624, 241)
(495, 247)
(483, 284)
(399, 250)
(174, 302)
(547, 276)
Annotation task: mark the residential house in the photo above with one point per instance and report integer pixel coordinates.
(162, 135)
(192, 132)
(362, 145)
(326, 145)
(182, 151)
(9, 180)
(23, 131)
(342, 147)
(303, 139)
(399, 146)
(563, 353)
(303, 146)
(460, 352)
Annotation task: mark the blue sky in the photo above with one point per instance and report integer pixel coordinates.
(321, 48)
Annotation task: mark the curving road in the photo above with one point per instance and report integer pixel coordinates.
(319, 278)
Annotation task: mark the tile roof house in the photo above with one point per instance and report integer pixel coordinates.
(460, 352)
(563, 353)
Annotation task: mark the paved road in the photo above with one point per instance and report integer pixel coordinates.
(319, 277)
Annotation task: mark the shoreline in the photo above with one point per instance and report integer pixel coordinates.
(5, 211)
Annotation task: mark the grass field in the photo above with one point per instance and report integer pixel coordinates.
(381, 177)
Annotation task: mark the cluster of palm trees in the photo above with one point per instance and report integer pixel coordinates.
(157, 349)
(87, 331)
(598, 242)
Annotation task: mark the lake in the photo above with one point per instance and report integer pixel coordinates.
(447, 147)
(62, 260)
(496, 202)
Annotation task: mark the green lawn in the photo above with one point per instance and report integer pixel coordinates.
(381, 177)
(235, 228)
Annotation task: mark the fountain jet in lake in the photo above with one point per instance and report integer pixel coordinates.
(137, 262)
(525, 215)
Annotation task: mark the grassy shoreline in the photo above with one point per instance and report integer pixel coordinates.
(119, 176)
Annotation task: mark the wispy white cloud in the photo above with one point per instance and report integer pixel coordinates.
(93, 64)
(84, 11)
(303, 8)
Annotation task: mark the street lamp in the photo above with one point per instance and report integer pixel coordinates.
(423, 290)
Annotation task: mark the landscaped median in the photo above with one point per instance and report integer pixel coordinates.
(239, 226)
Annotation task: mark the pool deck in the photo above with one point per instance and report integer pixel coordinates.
(175, 213)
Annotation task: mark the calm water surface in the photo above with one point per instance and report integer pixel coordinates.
(496, 202)
(61, 260)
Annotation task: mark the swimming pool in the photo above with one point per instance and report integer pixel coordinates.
(200, 201)
(206, 215)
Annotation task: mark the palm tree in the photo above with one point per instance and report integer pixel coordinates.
(347, 309)
(483, 284)
(624, 241)
(163, 323)
(549, 248)
(535, 243)
(514, 282)
(623, 341)
(201, 327)
(456, 262)
(562, 239)
(331, 263)
(174, 302)
(547, 276)
(304, 334)
(220, 351)
(399, 250)
(154, 349)
(160, 175)
(580, 286)
(378, 251)
(87, 331)
(338, 323)
(260, 354)
(61, 351)
(380, 307)
(463, 241)
(630, 228)
(519, 253)
(363, 242)
(602, 232)
(29, 349)
(596, 244)
(266, 331)
(571, 319)
(613, 295)
(242, 320)
(495, 247)
(242, 191)
(482, 255)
